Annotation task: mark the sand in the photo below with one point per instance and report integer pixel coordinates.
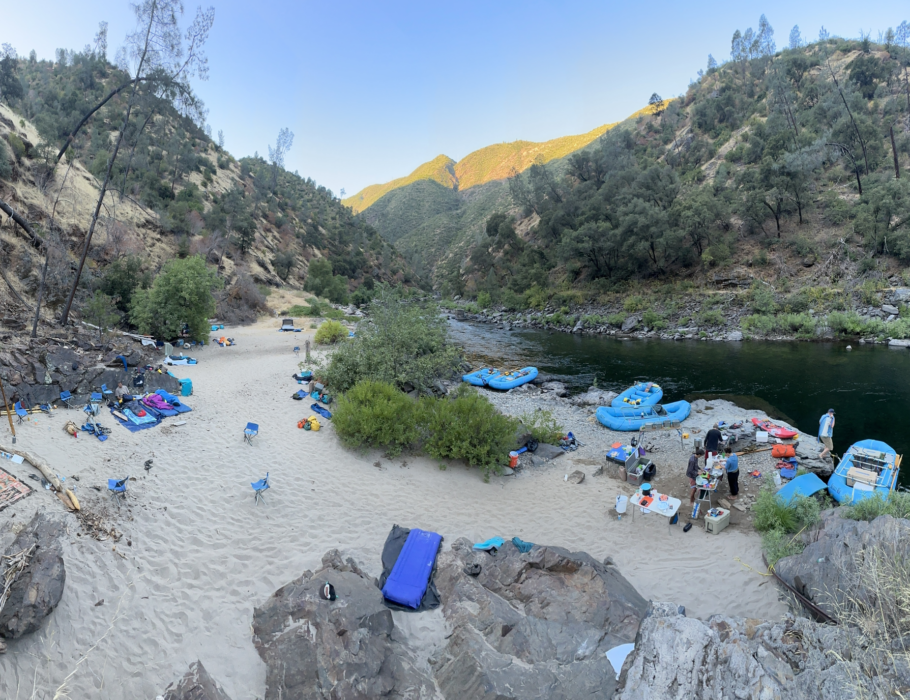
(197, 554)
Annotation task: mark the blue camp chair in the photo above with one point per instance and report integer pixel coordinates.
(259, 487)
(249, 432)
(66, 398)
(117, 487)
(21, 413)
(97, 397)
(105, 390)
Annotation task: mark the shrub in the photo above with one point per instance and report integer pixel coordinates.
(17, 145)
(468, 427)
(242, 302)
(781, 524)
(711, 318)
(895, 504)
(653, 320)
(401, 341)
(484, 301)
(376, 414)
(330, 332)
(770, 513)
(181, 294)
(758, 324)
(6, 167)
(284, 262)
(122, 277)
(762, 299)
(543, 426)
(634, 303)
(616, 319)
(101, 311)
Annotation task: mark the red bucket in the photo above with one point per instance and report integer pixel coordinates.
(513, 460)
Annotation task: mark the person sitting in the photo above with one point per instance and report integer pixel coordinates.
(121, 392)
(692, 472)
(732, 472)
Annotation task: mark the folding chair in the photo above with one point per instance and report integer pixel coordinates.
(66, 398)
(259, 487)
(21, 413)
(117, 487)
(249, 432)
(105, 390)
(97, 397)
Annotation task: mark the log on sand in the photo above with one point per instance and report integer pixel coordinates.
(42, 466)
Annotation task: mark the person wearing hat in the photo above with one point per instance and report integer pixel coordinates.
(826, 433)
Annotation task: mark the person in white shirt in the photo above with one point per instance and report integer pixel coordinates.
(826, 433)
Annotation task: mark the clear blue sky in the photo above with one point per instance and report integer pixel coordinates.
(372, 89)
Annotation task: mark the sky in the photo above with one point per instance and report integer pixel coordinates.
(373, 89)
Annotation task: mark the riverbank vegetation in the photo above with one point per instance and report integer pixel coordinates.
(896, 504)
(780, 525)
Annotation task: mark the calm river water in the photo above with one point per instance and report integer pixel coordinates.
(869, 387)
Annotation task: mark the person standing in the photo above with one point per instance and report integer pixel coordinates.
(692, 472)
(712, 443)
(826, 433)
(732, 472)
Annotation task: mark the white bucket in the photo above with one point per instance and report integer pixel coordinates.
(621, 503)
(777, 481)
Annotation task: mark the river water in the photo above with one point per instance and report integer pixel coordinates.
(868, 387)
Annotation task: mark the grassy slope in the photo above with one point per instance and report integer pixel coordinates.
(440, 169)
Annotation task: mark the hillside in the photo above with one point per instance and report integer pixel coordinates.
(174, 192)
(776, 175)
(484, 165)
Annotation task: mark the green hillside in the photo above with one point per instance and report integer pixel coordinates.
(440, 169)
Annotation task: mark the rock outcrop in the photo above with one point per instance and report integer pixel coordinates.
(316, 648)
(594, 397)
(680, 658)
(532, 625)
(38, 588)
(197, 684)
(826, 570)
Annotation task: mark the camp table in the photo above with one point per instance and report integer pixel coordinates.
(673, 505)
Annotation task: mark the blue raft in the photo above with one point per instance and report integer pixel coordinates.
(644, 394)
(481, 376)
(510, 380)
(869, 468)
(633, 418)
(410, 576)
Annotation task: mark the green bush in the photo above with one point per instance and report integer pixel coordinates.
(330, 332)
(781, 524)
(711, 318)
(401, 341)
(543, 426)
(770, 513)
(484, 301)
(468, 427)
(616, 320)
(762, 299)
(6, 167)
(778, 545)
(896, 504)
(376, 414)
(122, 277)
(758, 325)
(18, 146)
(653, 320)
(634, 303)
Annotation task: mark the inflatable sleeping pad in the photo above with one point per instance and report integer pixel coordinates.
(410, 576)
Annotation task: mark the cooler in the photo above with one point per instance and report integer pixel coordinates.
(715, 524)
(186, 387)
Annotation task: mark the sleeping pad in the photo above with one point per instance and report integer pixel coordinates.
(408, 568)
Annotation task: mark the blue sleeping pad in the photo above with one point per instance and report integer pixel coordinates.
(410, 576)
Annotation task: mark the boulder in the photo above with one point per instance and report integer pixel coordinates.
(681, 658)
(899, 343)
(558, 388)
(197, 684)
(828, 563)
(807, 455)
(594, 397)
(901, 295)
(889, 309)
(38, 588)
(735, 335)
(630, 323)
(576, 477)
(546, 453)
(315, 648)
(533, 625)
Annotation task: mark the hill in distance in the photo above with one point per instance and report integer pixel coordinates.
(484, 165)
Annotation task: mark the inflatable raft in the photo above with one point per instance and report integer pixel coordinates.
(629, 418)
(510, 380)
(644, 394)
(773, 429)
(481, 376)
(869, 468)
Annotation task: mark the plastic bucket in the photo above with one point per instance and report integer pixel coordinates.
(513, 460)
(777, 481)
(621, 503)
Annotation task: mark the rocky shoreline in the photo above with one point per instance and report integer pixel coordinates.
(617, 322)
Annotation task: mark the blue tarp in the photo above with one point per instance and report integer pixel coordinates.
(410, 576)
(175, 402)
(804, 485)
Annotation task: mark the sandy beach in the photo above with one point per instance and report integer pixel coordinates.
(197, 554)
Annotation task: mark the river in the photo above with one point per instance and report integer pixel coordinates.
(868, 387)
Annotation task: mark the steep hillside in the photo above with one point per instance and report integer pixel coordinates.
(173, 193)
(441, 169)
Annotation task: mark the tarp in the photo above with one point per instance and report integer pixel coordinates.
(804, 485)
(391, 550)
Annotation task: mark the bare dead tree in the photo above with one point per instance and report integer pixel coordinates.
(155, 48)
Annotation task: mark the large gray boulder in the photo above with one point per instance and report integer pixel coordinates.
(630, 323)
(680, 658)
(317, 649)
(594, 397)
(197, 684)
(826, 569)
(531, 625)
(38, 588)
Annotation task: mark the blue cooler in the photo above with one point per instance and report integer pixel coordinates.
(186, 387)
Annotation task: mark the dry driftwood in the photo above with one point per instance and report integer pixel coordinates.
(42, 466)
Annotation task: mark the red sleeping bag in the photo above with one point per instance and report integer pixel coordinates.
(783, 451)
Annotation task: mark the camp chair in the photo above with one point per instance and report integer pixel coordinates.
(250, 431)
(97, 397)
(21, 413)
(66, 398)
(259, 487)
(105, 391)
(117, 487)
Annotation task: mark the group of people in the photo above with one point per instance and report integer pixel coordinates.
(712, 450)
